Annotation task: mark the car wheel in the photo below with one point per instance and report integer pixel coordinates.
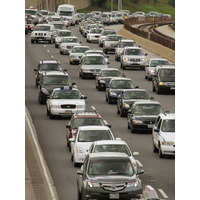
(153, 88)
(109, 101)
(146, 77)
(50, 41)
(158, 90)
(154, 147)
(129, 126)
(40, 99)
(50, 115)
(79, 194)
(56, 45)
(132, 129)
(123, 67)
(61, 52)
(74, 163)
(118, 112)
(32, 41)
(106, 98)
(47, 112)
(122, 114)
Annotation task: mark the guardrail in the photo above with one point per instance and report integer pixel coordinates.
(154, 35)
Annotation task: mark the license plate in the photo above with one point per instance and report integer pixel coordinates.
(150, 126)
(68, 111)
(114, 196)
(172, 88)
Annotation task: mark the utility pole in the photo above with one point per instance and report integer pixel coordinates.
(119, 4)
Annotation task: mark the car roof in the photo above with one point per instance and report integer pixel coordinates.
(43, 25)
(91, 55)
(64, 30)
(94, 50)
(136, 89)
(49, 61)
(49, 73)
(146, 102)
(58, 22)
(127, 40)
(132, 48)
(167, 115)
(108, 155)
(87, 114)
(167, 67)
(65, 88)
(157, 59)
(121, 78)
(104, 142)
(110, 69)
(93, 128)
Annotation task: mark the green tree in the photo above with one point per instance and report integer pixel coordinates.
(172, 3)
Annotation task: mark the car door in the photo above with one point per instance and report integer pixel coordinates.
(82, 178)
(130, 114)
(156, 134)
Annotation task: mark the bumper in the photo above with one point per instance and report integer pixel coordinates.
(168, 150)
(166, 88)
(41, 38)
(113, 99)
(143, 127)
(75, 60)
(79, 158)
(101, 194)
(64, 112)
(134, 64)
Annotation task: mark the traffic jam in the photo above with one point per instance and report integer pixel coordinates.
(107, 167)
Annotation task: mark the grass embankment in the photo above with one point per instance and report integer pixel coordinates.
(161, 6)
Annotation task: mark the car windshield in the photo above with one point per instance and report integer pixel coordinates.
(148, 109)
(110, 166)
(101, 53)
(93, 60)
(154, 63)
(79, 50)
(50, 67)
(122, 148)
(113, 38)
(126, 44)
(94, 135)
(65, 13)
(87, 122)
(43, 12)
(135, 95)
(96, 31)
(168, 125)
(138, 52)
(121, 84)
(59, 26)
(64, 33)
(56, 80)
(42, 28)
(70, 40)
(32, 12)
(109, 33)
(66, 94)
(167, 72)
(110, 73)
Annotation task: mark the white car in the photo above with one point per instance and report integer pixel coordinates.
(65, 101)
(84, 137)
(61, 34)
(67, 43)
(103, 35)
(93, 35)
(163, 134)
(151, 66)
(114, 146)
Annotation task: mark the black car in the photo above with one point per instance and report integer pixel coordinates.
(164, 79)
(142, 115)
(104, 77)
(45, 66)
(128, 97)
(51, 80)
(115, 87)
(108, 176)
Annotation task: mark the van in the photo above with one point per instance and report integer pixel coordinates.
(67, 11)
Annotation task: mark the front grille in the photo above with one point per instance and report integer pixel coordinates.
(70, 106)
(170, 84)
(97, 36)
(113, 187)
(135, 60)
(69, 47)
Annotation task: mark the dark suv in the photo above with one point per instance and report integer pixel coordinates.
(108, 176)
(51, 80)
(45, 66)
(87, 118)
(164, 79)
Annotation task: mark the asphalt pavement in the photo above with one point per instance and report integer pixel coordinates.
(159, 173)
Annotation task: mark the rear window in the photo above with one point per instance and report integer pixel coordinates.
(87, 122)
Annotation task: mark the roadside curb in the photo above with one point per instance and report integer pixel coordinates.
(38, 181)
(152, 46)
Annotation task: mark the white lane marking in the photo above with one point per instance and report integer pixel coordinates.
(163, 193)
(48, 51)
(139, 163)
(44, 46)
(41, 158)
(52, 56)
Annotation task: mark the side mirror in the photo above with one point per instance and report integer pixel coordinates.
(108, 125)
(65, 70)
(146, 54)
(80, 172)
(156, 129)
(140, 171)
(83, 97)
(68, 126)
(73, 83)
(118, 139)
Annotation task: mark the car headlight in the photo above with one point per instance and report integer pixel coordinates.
(43, 90)
(126, 59)
(137, 122)
(55, 106)
(91, 184)
(80, 106)
(143, 59)
(168, 143)
(132, 184)
(62, 46)
(125, 105)
(113, 93)
(120, 51)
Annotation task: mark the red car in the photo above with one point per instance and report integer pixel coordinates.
(87, 118)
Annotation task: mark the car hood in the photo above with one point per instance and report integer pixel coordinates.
(168, 136)
(117, 91)
(112, 179)
(134, 56)
(151, 118)
(72, 44)
(67, 101)
(85, 146)
(131, 101)
(76, 54)
(167, 79)
(94, 66)
(49, 88)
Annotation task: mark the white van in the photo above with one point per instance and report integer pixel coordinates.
(69, 11)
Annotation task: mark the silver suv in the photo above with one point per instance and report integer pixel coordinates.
(121, 45)
(133, 57)
(110, 42)
(43, 32)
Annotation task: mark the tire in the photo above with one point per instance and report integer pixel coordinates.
(153, 88)
(109, 101)
(61, 52)
(32, 41)
(74, 163)
(72, 158)
(158, 90)
(146, 77)
(79, 194)
(50, 41)
(121, 114)
(128, 126)
(56, 46)
(51, 116)
(123, 67)
(132, 129)
(40, 99)
(47, 112)
(118, 112)
(154, 147)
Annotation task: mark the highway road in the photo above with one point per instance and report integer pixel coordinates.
(159, 173)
